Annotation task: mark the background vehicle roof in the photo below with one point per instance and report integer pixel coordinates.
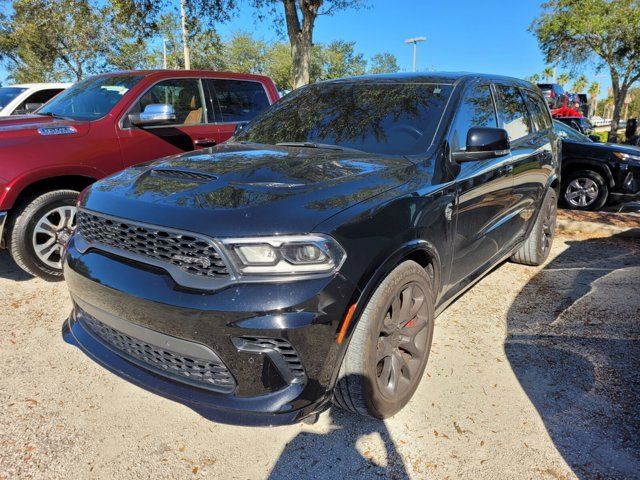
(41, 85)
(169, 73)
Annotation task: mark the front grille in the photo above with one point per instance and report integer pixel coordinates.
(199, 372)
(193, 254)
(183, 174)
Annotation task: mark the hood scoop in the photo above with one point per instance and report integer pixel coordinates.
(186, 175)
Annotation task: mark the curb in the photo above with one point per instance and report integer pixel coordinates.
(564, 225)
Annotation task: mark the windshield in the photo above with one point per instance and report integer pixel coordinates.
(90, 99)
(566, 132)
(394, 118)
(9, 93)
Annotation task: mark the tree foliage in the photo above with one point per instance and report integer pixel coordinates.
(384, 62)
(607, 33)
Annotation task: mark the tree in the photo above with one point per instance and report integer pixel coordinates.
(575, 32)
(207, 50)
(535, 78)
(340, 60)
(594, 91)
(563, 79)
(300, 17)
(548, 73)
(384, 62)
(245, 54)
(49, 40)
(580, 84)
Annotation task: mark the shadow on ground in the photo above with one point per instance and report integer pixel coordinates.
(574, 344)
(8, 269)
(312, 455)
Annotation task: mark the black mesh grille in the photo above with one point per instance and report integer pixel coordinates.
(183, 175)
(194, 255)
(203, 373)
(284, 348)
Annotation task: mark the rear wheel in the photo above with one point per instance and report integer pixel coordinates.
(585, 190)
(390, 346)
(39, 230)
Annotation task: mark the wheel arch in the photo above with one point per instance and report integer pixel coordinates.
(578, 165)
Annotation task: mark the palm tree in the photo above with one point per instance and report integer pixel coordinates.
(580, 84)
(535, 78)
(594, 91)
(563, 79)
(548, 73)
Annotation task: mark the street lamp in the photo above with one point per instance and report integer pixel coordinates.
(415, 41)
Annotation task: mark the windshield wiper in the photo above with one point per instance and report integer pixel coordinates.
(328, 146)
(52, 115)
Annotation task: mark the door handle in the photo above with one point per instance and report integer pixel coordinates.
(205, 142)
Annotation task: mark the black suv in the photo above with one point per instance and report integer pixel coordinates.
(305, 260)
(594, 173)
(553, 93)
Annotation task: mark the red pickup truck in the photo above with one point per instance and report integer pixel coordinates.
(97, 127)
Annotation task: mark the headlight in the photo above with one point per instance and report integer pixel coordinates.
(626, 156)
(285, 255)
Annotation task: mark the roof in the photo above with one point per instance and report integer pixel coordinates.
(41, 85)
(170, 73)
(428, 77)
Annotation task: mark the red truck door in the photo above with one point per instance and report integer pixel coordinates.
(192, 128)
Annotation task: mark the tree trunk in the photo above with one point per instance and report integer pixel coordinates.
(301, 36)
(619, 94)
(185, 36)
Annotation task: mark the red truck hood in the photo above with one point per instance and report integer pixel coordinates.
(41, 126)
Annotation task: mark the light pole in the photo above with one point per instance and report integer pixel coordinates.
(415, 41)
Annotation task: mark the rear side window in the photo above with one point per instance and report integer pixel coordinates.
(539, 111)
(238, 100)
(513, 112)
(476, 110)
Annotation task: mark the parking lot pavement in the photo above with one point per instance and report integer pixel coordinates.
(533, 374)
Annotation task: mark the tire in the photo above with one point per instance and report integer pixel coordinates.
(363, 386)
(588, 189)
(22, 239)
(537, 246)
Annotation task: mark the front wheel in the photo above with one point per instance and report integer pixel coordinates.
(39, 230)
(390, 345)
(536, 248)
(585, 190)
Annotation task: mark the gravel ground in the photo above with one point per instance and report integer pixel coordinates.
(533, 374)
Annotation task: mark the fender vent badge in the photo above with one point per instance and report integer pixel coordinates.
(46, 131)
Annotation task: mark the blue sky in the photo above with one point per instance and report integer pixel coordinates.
(470, 35)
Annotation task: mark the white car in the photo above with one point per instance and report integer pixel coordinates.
(27, 97)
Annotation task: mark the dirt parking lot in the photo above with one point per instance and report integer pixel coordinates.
(534, 373)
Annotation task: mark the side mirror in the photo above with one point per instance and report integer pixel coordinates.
(153, 114)
(595, 138)
(484, 143)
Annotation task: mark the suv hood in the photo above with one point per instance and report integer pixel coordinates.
(247, 189)
(29, 126)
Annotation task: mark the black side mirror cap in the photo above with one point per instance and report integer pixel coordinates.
(484, 143)
(595, 138)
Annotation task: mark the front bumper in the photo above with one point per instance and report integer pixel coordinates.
(254, 331)
(3, 220)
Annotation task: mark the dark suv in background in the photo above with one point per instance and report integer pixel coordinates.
(306, 259)
(553, 93)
